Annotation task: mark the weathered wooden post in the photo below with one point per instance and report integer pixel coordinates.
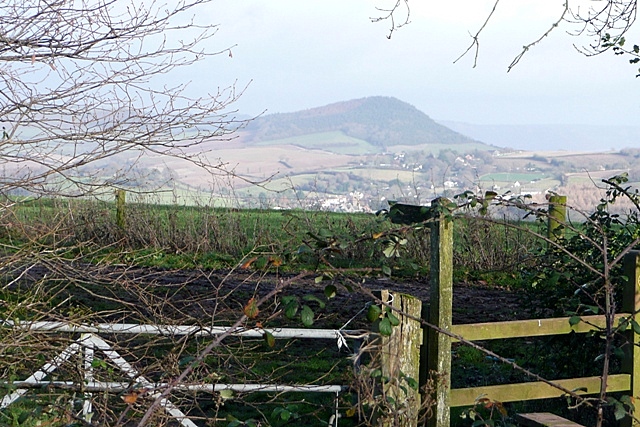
(631, 304)
(557, 217)
(400, 360)
(120, 206)
(438, 349)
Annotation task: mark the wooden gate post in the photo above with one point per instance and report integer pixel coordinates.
(557, 217)
(438, 349)
(631, 304)
(400, 360)
(120, 206)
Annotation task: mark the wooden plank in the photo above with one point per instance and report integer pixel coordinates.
(528, 328)
(631, 303)
(400, 360)
(544, 419)
(440, 312)
(536, 390)
(557, 217)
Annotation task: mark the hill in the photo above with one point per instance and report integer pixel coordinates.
(380, 121)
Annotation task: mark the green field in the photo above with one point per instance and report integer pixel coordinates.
(336, 142)
(523, 178)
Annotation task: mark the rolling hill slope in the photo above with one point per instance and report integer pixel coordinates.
(379, 121)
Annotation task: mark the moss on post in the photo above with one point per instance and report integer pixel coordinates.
(557, 217)
(438, 349)
(400, 360)
(120, 209)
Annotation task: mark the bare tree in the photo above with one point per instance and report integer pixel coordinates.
(87, 80)
(605, 23)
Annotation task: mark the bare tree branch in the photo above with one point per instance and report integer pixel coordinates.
(82, 82)
(476, 40)
(390, 15)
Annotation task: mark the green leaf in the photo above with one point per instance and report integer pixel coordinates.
(288, 299)
(385, 327)
(635, 326)
(314, 299)
(319, 279)
(269, 339)
(373, 313)
(186, 360)
(593, 308)
(574, 320)
(386, 270)
(226, 394)
(490, 195)
(306, 315)
(412, 383)
(390, 250)
(330, 291)
(619, 412)
(291, 309)
(281, 413)
(392, 318)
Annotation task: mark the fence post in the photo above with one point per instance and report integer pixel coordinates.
(120, 214)
(557, 217)
(438, 349)
(400, 360)
(631, 304)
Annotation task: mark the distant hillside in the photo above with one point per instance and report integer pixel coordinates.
(381, 121)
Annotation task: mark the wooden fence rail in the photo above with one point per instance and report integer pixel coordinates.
(436, 355)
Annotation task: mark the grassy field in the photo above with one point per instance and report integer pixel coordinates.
(335, 142)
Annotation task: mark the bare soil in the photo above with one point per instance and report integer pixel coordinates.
(155, 295)
(151, 295)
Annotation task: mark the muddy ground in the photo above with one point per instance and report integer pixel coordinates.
(154, 295)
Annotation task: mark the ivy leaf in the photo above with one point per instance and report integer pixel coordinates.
(635, 326)
(251, 309)
(306, 315)
(412, 383)
(291, 309)
(269, 339)
(385, 327)
(392, 318)
(314, 299)
(593, 308)
(574, 320)
(619, 412)
(490, 195)
(373, 313)
(226, 394)
(390, 250)
(330, 291)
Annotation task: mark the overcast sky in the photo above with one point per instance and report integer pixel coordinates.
(298, 54)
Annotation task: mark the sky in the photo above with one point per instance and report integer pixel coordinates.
(298, 54)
